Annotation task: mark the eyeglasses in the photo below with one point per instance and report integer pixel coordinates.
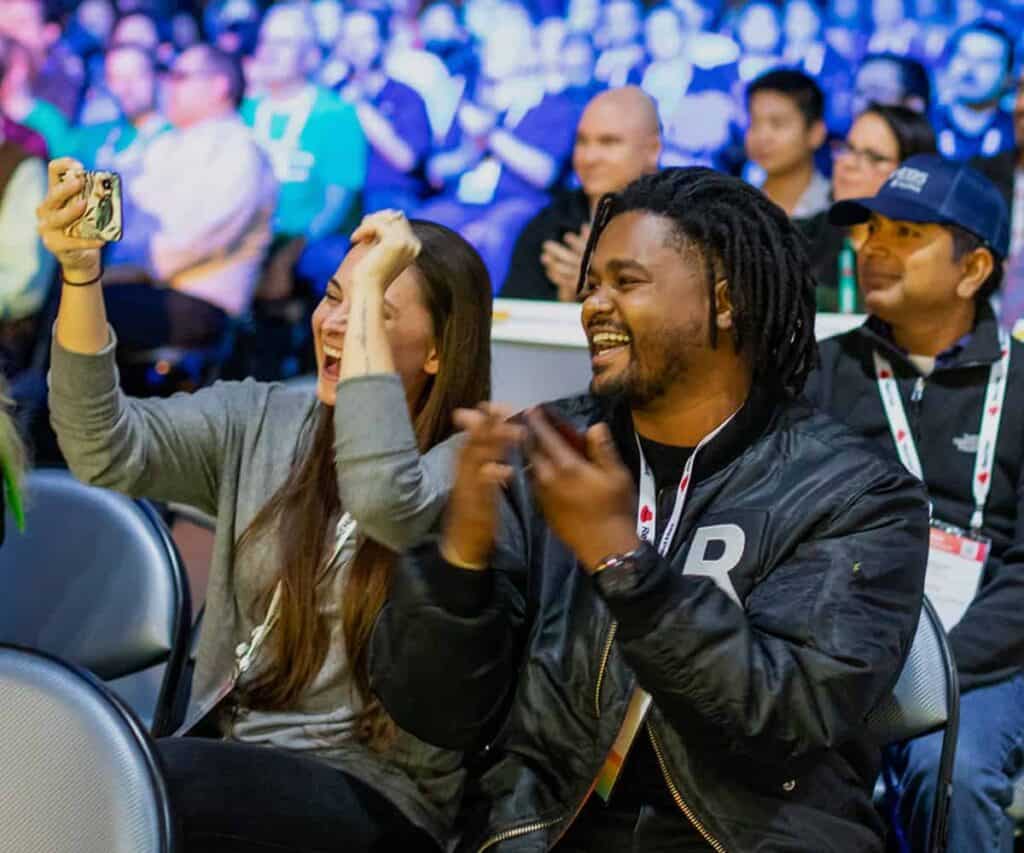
(842, 148)
(177, 75)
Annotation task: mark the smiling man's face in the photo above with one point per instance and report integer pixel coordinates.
(907, 269)
(645, 309)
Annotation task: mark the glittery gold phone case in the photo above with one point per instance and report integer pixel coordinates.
(102, 217)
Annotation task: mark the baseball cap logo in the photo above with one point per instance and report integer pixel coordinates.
(907, 178)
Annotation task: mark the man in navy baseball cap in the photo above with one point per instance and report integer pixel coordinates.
(930, 189)
(932, 378)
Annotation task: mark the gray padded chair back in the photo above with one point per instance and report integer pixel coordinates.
(926, 699)
(76, 770)
(921, 700)
(96, 580)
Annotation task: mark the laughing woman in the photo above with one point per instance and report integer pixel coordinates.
(313, 495)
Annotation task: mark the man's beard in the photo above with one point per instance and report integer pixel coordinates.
(645, 380)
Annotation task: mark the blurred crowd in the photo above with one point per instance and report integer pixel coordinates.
(250, 137)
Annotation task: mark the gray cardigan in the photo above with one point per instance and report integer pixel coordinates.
(225, 450)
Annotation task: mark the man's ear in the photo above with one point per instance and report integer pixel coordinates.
(975, 269)
(653, 154)
(817, 134)
(723, 304)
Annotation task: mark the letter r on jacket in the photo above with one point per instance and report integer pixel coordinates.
(732, 540)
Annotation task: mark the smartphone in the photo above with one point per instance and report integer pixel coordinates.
(570, 435)
(101, 220)
(576, 439)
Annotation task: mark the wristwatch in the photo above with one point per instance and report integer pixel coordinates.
(621, 574)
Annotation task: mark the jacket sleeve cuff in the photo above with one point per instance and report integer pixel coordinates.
(638, 596)
(463, 592)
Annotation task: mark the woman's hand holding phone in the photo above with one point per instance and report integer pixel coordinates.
(63, 205)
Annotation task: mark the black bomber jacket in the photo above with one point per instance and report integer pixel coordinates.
(779, 618)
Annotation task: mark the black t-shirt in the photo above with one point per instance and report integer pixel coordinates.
(667, 463)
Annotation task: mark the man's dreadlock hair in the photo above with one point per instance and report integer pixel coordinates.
(750, 242)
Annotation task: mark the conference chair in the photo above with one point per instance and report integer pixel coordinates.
(926, 699)
(77, 770)
(96, 579)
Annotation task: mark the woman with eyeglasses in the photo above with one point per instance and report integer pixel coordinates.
(879, 140)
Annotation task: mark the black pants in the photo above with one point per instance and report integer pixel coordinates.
(237, 798)
(146, 317)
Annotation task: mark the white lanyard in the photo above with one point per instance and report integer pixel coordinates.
(245, 653)
(646, 521)
(647, 509)
(991, 415)
(297, 111)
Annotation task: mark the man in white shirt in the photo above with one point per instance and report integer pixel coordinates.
(197, 217)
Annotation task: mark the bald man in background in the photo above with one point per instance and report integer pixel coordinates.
(617, 140)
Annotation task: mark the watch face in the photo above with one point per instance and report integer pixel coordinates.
(620, 574)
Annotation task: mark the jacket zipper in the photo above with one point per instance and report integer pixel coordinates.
(605, 654)
(674, 791)
(536, 826)
(517, 831)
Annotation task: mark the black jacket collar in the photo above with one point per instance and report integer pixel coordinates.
(982, 347)
(751, 421)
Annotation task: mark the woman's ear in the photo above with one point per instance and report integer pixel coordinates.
(433, 363)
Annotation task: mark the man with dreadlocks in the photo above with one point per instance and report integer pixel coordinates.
(666, 634)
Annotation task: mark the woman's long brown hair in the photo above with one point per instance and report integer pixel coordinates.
(298, 518)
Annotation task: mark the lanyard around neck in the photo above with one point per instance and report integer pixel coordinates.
(296, 110)
(984, 459)
(647, 509)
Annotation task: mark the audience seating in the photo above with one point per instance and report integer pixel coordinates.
(77, 770)
(926, 699)
(97, 580)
